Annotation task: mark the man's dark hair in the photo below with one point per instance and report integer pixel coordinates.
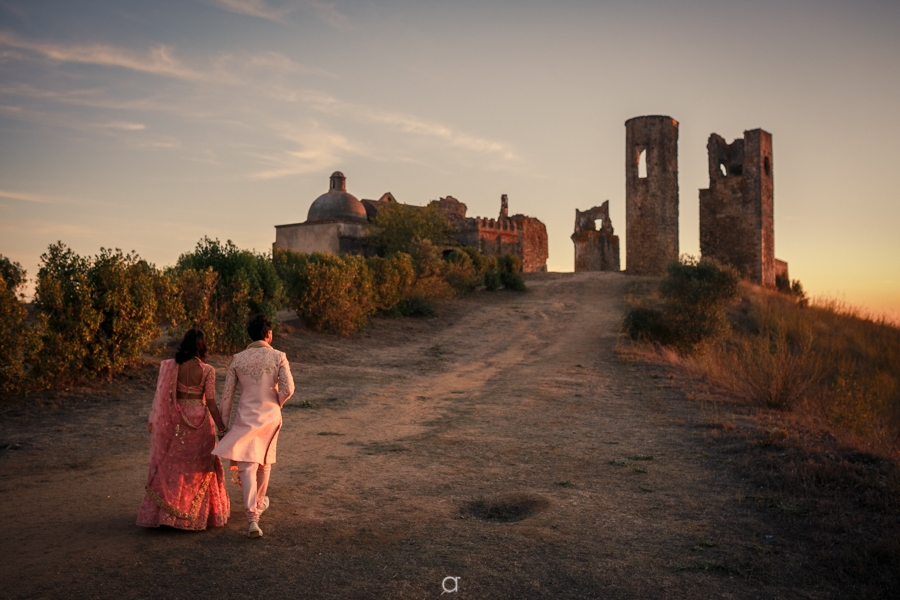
(193, 344)
(258, 327)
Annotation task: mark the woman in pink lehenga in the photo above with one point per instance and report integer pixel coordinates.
(186, 483)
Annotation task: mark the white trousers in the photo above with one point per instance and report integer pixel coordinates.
(254, 484)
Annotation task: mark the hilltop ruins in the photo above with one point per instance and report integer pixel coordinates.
(339, 223)
(736, 211)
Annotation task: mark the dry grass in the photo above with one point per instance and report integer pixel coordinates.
(815, 393)
(826, 361)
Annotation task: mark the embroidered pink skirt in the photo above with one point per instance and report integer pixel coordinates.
(185, 483)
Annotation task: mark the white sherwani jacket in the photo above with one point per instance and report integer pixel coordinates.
(266, 384)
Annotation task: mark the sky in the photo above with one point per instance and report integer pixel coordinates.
(147, 125)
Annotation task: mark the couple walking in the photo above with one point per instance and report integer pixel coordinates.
(186, 481)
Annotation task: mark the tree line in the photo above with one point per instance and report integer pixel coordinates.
(92, 317)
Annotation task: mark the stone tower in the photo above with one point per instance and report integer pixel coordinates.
(651, 194)
(737, 211)
(595, 249)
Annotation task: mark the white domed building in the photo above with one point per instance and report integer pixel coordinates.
(336, 223)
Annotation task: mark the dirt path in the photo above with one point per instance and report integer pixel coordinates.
(394, 442)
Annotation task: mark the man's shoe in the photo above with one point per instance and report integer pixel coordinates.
(261, 509)
(254, 531)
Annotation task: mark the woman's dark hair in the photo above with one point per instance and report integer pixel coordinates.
(193, 344)
(258, 327)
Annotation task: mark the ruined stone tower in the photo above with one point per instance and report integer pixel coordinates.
(651, 194)
(736, 212)
(595, 249)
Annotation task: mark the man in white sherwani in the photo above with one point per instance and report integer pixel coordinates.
(266, 384)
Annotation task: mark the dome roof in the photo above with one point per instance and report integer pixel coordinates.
(337, 204)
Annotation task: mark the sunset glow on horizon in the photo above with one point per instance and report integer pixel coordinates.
(149, 125)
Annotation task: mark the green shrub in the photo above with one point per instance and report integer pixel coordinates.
(647, 323)
(695, 295)
(94, 316)
(196, 302)
(430, 286)
(330, 293)
(492, 280)
(290, 267)
(123, 292)
(17, 343)
(401, 227)
(510, 269)
(392, 280)
(481, 263)
(461, 273)
(246, 284)
(691, 307)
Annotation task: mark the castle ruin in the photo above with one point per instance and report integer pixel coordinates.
(339, 223)
(651, 194)
(737, 210)
(595, 249)
(524, 236)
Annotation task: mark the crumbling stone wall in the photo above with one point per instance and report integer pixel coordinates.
(524, 236)
(651, 199)
(532, 247)
(454, 209)
(737, 210)
(595, 249)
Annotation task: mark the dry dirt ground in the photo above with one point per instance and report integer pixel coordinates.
(509, 443)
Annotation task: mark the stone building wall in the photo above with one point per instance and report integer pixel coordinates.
(737, 210)
(595, 249)
(533, 247)
(335, 237)
(651, 202)
(526, 237)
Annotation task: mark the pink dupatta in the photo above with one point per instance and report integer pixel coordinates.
(185, 483)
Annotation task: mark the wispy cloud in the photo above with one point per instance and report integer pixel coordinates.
(26, 197)
(158, 60)
(253, 8)
(241, 68)
(122, 126)
(315, 150)
(226, 68)
(405, 123)
(328, 13)
(261, 9)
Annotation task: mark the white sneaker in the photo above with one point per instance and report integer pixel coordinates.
(261, 509)
(254, 531)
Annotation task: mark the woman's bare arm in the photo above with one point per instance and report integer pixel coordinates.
(209, 392)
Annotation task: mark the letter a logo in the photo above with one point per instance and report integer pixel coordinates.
(454, 581)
